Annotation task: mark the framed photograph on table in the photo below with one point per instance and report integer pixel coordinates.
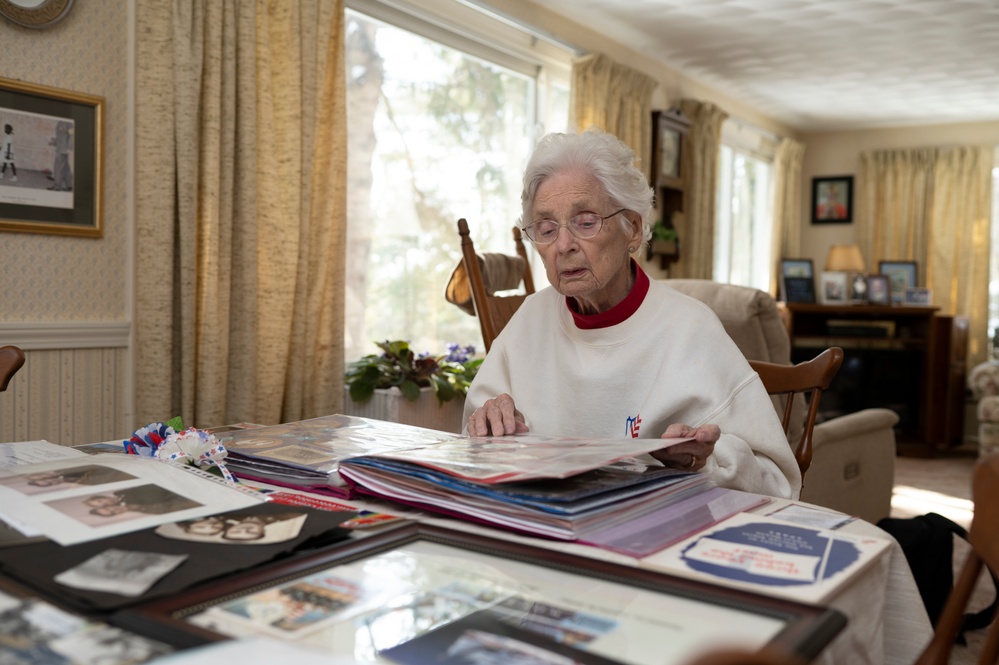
(878, 290)
(901, 276)
(420, 594)
(797, 280)
(832, 200)
(920, 297)
(834, 288)
(50, 160)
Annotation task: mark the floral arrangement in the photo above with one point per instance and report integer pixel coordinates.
(192, 446)
(449, 374)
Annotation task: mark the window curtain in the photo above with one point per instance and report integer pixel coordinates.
(613, 98)
(786, 242)
(240, 210)
(932, 206)
(700, 167)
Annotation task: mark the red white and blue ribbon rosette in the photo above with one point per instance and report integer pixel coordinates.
(192, 446)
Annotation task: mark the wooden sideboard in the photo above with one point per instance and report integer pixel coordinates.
(907, 359)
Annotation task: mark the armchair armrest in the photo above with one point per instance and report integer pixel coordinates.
(857, 453)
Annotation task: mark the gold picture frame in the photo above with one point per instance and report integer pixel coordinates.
(51, 160)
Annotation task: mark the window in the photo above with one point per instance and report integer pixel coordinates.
(744, 211)
(440, 127)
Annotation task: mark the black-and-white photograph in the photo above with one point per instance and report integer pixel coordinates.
(124, 504)
(57, 480)
(124, 572)
(240, 527)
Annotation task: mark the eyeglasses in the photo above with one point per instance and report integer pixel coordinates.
(584, 225)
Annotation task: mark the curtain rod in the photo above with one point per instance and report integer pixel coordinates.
(487, 8)
(777, 138)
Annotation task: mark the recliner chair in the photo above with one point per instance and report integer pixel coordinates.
(853, 456)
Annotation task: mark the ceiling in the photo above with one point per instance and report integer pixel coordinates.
(819, 65)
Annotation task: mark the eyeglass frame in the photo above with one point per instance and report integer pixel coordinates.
(599, 225)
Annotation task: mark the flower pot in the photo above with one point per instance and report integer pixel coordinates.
(389, 404)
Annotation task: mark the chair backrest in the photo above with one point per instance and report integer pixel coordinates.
(493, 311)
(11, 360)
(984, 538)
(807, 379)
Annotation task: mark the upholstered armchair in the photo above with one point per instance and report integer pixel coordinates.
(853, 459)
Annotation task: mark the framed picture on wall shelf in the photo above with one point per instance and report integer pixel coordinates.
(797, 280)
(832, 200)
(901, 275)
(50, 160)
(834, 288)
(878, 290)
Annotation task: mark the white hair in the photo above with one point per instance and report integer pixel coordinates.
(602, 155)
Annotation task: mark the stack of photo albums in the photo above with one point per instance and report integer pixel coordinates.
(589, 490)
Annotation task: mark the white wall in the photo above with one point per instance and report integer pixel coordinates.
(838, 153)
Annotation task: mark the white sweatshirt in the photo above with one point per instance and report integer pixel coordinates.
(669, 362)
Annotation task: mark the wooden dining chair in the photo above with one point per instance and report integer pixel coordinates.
(807, 379)
(11, 360)
(984, 539)
(493, 311)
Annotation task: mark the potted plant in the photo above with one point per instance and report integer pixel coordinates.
(417, 389)
(664, 239)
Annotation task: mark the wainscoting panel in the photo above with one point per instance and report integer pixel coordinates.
(72, 387)
(67, 396)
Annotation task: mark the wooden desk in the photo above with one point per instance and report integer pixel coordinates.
(907, 359)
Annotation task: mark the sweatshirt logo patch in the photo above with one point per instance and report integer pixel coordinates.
(632, 425)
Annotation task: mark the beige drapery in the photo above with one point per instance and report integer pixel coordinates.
(786, 240)
(613, 98)
(240, 210)
(932, 206)
(700, 167)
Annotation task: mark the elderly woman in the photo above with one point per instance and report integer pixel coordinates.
(607, 352)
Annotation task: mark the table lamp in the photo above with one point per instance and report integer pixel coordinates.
(844, 258)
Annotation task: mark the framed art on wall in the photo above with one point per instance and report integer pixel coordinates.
(832, 200)
(901, 276)
(668, 127)
(50, 160)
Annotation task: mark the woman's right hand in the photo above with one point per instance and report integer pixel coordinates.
(496, 417)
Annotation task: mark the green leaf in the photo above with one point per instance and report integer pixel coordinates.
(410, 390)
(361, 392)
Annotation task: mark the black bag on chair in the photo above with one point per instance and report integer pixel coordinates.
(928, 544)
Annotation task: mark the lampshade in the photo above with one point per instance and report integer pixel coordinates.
(844, 258)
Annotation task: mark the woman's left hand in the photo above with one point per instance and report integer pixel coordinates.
(689, 455)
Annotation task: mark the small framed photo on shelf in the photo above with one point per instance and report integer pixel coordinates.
(834, 288)
(878, 290)
(918, 296)
(901, 276)
(858, 288)
(797, 280)
(832, 200)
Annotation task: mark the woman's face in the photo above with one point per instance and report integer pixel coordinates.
(596, 272)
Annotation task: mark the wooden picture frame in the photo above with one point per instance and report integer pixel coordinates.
(832, 200)
(901, 275)
(480, 578)
(878, 290)
(51, 179)
(834, 288)
(668, 131)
